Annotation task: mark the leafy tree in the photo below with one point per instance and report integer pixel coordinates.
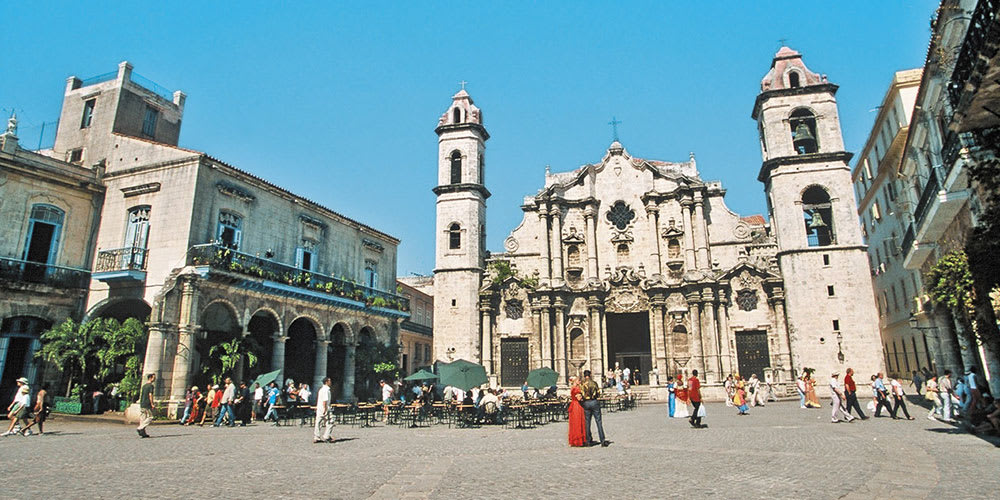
(122, 343)
(96, 350)
(229, 354)
(72, 348)
(949, 283)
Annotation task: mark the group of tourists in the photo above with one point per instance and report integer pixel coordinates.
(21, 410)
(966, 397)
(622, 379)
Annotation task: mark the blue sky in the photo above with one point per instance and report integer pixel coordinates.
(338, 101)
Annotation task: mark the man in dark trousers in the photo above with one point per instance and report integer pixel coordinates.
(694, 394)
(851, 393)
(592, 408)
(146, 405)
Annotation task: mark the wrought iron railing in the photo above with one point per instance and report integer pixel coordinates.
(17, 270)
(908, 241)
(983, 29)
(931, 190)
(220, 257)
(152, 86)
(121, 259)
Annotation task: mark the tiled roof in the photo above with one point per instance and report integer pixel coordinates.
(754, 220)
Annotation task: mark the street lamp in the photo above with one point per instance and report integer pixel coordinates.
(840, 349)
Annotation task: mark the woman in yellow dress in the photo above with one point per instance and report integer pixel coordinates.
(811, 400)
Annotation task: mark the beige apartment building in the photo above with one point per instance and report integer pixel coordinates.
(416, 336)
(49, 214)
(209, 252)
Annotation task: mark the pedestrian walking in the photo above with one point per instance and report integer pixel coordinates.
(387, 398)
(18, 409)
(272, 402)
(917, 380)
(851, 394)
(258, 397)
(323, 416)
(242, 409)
(757, 397)
(838, 400)
(881, 396)
(146, 405)
(899, 398)
(931, 395)
(592, 408)
(945, 391)
(226, 405)
(694, 394)
(41, 412)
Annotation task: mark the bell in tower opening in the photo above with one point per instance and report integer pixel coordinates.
(803, 125)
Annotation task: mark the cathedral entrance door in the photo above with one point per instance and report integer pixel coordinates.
(628, 342)
(752, 353)
(513, 362)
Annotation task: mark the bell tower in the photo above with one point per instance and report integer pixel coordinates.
(460, 234)
(830, 307)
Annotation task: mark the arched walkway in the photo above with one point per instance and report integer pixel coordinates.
(336, 358)
(365, 356)
(19, 341)
(262, 328)
(219, 325)
(300, 351)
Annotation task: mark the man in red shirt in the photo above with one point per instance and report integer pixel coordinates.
(851, 394)
(694, 395)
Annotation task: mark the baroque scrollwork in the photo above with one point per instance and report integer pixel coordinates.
(746, 299)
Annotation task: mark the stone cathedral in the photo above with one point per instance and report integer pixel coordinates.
(639, 262)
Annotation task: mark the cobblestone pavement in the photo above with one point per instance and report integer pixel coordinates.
(779, 451)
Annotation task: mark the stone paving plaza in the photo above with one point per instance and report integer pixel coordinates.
(779, 451)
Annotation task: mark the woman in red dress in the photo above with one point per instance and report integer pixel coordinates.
(577, 435)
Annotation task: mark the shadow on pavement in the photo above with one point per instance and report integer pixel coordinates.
(994, 440)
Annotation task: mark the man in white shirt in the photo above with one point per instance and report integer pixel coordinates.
(322, 418)
(258, 397)
(627, 375)
(459, 395)
(386, 397)
(837, 399)
(226, 405)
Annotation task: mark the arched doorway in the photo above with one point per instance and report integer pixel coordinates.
(123, 309)
(19, 341)
(365, 356)
(262, 328)
(335, 360)
(300, 351)
(218, 326)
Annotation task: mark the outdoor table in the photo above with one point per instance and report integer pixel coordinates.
(463, 416)
(519, 417)
(367, 414)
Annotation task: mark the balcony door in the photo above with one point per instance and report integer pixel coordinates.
(136, 238)
(44, 228)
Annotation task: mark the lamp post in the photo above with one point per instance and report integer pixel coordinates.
(840, 347)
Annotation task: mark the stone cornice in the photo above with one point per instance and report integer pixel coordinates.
(460, 126)
(810, 89)
(458, 188)
(769, 165)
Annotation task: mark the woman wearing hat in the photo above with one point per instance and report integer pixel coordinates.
(17, 412)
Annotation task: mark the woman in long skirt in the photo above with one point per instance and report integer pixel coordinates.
(577, 433)
(681, 409)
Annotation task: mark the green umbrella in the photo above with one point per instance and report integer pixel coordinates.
(542, 377)
(462, 374)
(421, 375)
(265, 379)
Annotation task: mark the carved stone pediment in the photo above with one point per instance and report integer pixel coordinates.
(672, 230)
(626, 300)
(572, 236)
(622, 237)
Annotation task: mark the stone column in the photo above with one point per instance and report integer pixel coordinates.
(697, 351)
(278, 357)
(556, 239)
(725, 338)
(543, 218)
(784, 341)
(711, 335)
(320, 371)
(348, 384)
(689, 261)
(595, 351)
(560, 340)
(656, 336)
(701, 234)
(486, 332)
(182, 362)
(652, 217)
(536, 326)
(546, 334)
(589, 216)
(604, 343)
(671, 365)
(154, 354)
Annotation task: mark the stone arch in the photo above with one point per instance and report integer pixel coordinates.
(20, 340)
(262, 328)
(219, 323)
(817, 214)
(366, 351)
(300, 349)
(803, 125)
(120, 308)
(455, 164)
(340, 336)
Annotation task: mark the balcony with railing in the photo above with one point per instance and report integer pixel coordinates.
(976, 63)
(284, 277)
(121, 264)
(17, 271)
(931, 190)
(908, 241)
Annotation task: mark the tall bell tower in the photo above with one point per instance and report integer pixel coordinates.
(830, 306)
(460, 234)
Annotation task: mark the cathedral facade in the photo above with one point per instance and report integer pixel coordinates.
(639, 262)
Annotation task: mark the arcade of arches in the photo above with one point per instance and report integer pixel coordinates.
(304, 338)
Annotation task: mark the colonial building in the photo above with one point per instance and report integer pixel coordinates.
(639, 262)
(881, 201)
(953, 133)
(416, 336)
(210, 253)
(49, 211)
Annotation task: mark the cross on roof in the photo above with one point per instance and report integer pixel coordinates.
(782, 42)
(614, 127)
(462, 83)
